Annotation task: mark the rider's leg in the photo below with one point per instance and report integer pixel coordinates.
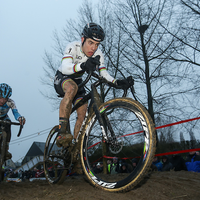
(81, 111)
(77, 168)
(8, 131)
(70, 89)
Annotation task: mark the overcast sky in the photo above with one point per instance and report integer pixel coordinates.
(26, 32)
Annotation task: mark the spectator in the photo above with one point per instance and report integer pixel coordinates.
(37, 174)
(15, 174)
(94, 165)
(167, 166)
(109, 161)
(29, 174)
(98, 169)
(20, 174)
(178, 162)
(101, 166)
(11, 175)
(34, 172)
(114, 167)
(51, 172)
(193, 162)
(25, 174)
(157, 165)
(124, 168)
(134, 163)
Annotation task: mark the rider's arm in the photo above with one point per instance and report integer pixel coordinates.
(15, 112)
(68, 65)
(120, 84)
(102, 69)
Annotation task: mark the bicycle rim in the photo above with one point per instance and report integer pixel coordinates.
(134, 139)
(55, 159)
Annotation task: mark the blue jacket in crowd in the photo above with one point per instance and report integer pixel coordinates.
(193, 163)
(158, 164)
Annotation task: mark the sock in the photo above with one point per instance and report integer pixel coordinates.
(63, 124)
(74, 141)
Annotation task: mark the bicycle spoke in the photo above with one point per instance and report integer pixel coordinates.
(55, 165)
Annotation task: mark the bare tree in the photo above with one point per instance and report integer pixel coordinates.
(193, 140)
(182, 141)
(160, 59)
(148, 47)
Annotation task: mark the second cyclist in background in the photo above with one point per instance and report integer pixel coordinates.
(5, 104)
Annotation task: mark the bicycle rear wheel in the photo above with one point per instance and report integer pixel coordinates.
(57, 160)
(2, 153)
(134, 138)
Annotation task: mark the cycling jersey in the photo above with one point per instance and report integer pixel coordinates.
(10, 104)
(72, 59)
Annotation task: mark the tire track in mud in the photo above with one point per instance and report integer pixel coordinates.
(159, 186)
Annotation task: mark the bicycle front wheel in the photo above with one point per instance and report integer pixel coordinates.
(57, 160)
(130, 136)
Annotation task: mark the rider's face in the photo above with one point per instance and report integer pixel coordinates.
(89, 47)
(3, 101)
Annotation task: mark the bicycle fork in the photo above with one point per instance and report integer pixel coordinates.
(96, 104)
(103, 121)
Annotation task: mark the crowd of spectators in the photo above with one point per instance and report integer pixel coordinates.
(177, 163)
(115, 166)
(174, 162)
(24, 175)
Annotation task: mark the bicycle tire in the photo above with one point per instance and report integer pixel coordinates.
(127, 118)
(2, 153)
(55, 165)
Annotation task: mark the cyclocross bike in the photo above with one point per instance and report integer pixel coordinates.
(3, 143)
(120, 127)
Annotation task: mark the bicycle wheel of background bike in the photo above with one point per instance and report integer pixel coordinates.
(2, 153)
(134, 138)
(55, 165)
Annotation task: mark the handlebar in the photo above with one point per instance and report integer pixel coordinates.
(103, 80)
(86, 80)
(13, 123)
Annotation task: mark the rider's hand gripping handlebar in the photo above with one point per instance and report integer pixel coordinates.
(13, 123)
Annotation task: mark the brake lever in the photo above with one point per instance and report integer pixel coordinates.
(20, 130)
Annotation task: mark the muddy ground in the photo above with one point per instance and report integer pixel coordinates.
(172, 185)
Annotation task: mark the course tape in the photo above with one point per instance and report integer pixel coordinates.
(177, 152)
(175, 123)
(160, 154)
(156, 155)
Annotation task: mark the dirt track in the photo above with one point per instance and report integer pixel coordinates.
(161, 185)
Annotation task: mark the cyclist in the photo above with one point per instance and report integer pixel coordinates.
(79, 56)
(5, 104)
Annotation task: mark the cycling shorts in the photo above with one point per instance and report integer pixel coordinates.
(60, 79)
